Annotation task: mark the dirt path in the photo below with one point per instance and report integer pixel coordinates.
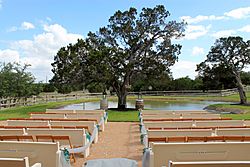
(119, 140)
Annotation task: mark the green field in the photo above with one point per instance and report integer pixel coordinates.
(23, 112)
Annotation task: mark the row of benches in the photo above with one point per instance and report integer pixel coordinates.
(184, 143)
(43, 140)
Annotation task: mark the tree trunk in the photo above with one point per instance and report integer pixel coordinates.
(242, 93)
(122, 101)
(122, 96)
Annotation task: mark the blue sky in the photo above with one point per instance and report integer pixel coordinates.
(33, 31)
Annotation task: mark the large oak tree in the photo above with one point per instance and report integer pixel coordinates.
(231, 54)
(131, 43)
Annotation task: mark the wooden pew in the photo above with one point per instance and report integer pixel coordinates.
(44, 115)
(42, 152)
(233, 132)
(184, 119)
(12, 132)
(98, 117)
(184, 116)
(77, 136)
(168, 124)
(17, 162)
(90, 124)
(219, 123)
(210, 164)
(154, 134)
(198, 151)
(74, 111)
(173, 111)
(53, 119)
(184, 132)
(27, 123)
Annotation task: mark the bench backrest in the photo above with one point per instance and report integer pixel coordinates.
(11, 132)
(90, 124)
(201, 116)
(210, 151)
(82, 116)
(210, 164)
(170, 124)
(74, 111)
(189, 132)
(233, 132)
(59, 111)
(14, 162)
(27, 123)
(41, 152)
(173, 111)
(44, 115)
(77, 136)
(219, 123)
(170, 116)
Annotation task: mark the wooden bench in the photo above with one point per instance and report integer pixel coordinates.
(17, 162)
(184, 119)
(53, 119)
(17, 138)
(168, 124)
(42, 152)
(173, 111)
(90, 124)
(77, 136)
(201, 116)
(27, 123)
(210, 164)
(74, 111)
(219, 123)
(170, 116)
(202, 151)
(233, 132)
(199, 139)
(12, 132)
(175, 133)
(70, 116)
(44, 115)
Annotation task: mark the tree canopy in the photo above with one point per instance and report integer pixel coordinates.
(228, 56)
(15, 81)
(131, 43)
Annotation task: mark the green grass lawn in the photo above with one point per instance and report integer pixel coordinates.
(23, 112)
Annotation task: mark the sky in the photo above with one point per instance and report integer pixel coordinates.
(33, 31)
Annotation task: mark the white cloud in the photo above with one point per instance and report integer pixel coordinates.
(200, 18)
(239, 13)
(194, 32)
(1, 2)
(197, 51)
(245, 29)
(227, 33)
(40, 51)
(9, 56)
(184, 68)
(12, 29)
(224, 33)
(26, 26)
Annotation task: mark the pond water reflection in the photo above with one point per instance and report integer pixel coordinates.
(148, 104)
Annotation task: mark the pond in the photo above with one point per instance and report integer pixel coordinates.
(148, 104)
